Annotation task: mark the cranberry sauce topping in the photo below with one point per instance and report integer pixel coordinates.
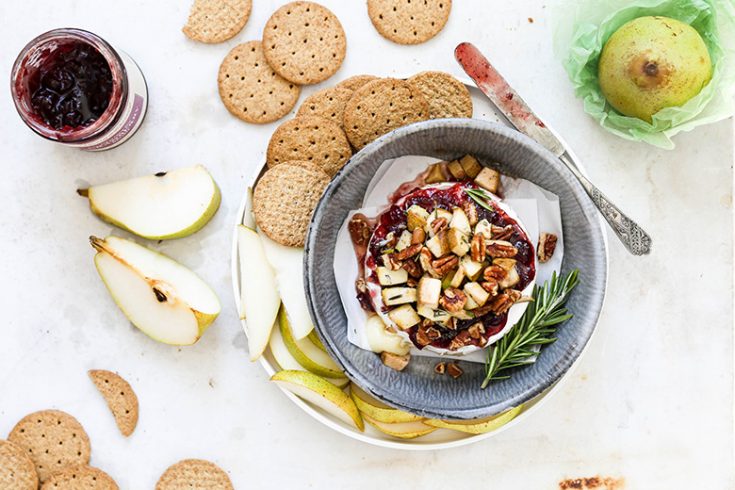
(72, 87)
(394, 220)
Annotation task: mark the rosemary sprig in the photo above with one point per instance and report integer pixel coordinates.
(535, 328)
(481, 197)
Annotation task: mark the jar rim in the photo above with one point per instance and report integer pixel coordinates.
(50, 40)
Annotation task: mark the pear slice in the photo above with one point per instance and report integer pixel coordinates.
(166, 205)
(320, 392)
(379, 411)
(286, 361)
(161, 297)
(401, 430)
(288, 264)
(306, 353)
(479, 426)
(316, 340)
(259, 300)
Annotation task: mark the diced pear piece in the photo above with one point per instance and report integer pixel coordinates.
(387, 277)
(438, 316)
(455, 168)
(435, 215)
(488, 179)
(510, 266)
(286, 361)
(462, 314)
(378, 410)
(381, 339)
(416, 217)
(404, 316)
(458, 277)
(161, 297)
(476, 292)
(322, 393)
(460, 221)
(470, 165)
(459, 243)
(259, 299)
(435, 174)
(398, 296)
(438, 245)
(429, 290)
(484, 228)
(404, 241)
(470, 304)
(288, 266)
(471, 268)
(477, 426)
(311, 357)
(405, 430)
(163, 206)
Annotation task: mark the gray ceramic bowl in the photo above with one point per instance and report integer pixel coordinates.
(418, 389)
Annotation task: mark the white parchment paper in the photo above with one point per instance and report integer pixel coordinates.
(537, 209)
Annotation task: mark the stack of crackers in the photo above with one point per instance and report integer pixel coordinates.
(304, 153)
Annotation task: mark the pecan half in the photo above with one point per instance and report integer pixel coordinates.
(394, 361)
(439, 224)
(454, 370)
(494, 272)
(477, 248)
(418, 236)
(408, 252)
(453, 300)
(491, 286)
(359, 229)
(503, 302)
(502, 232)
(463, 338)
(500, 249)
(476, 330)
(425, 259)
(426, 334)
(446, 264)
(470, 209)
(412, 268)
(546, 246)
(483, 310)
(391, 263)
(422, 339)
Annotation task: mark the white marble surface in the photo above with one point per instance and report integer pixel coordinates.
(650, 402)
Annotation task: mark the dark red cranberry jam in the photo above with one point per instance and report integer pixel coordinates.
(72, 87)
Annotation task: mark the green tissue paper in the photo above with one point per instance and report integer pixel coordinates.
(581, 29)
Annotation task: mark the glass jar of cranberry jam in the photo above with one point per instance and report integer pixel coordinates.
(72, 87)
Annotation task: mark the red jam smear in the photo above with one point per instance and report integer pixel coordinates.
(72, 87)
(394, 220)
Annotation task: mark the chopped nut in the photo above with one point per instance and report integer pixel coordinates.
(440, 367)
(359, 229)
(409, 252)
(426, 334)
(546, 246)
(514, 294)
(512, 277)
(499, 248)
(463, 338)
(470, 209)
(422, 339)
(412, 268)
(361, 285)
(502, 302)
(411, 282)
(476, 330)
(439, 224)
(390, 262)
(501, 232)
(418, 236)
(491, 286)
(477, 248)
(484, 310)
(454, 370)
(445, 265)
(494, 272)
(433, 334)
(425, 259)
(451, 323)
(453, 300)
(394, 361)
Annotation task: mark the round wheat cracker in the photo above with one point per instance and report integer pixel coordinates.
(356, 81)
(250, 89)
(120, 398)
(406, 22)
(284, 200)
(309, 138)
(53, 439)
(194, 474)
(304, 42)
(80, 477)
(17, 471)
(328, 103)
(216, 21)
(381, 106)
(446, 96)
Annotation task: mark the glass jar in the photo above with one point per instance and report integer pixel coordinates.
(70, 86)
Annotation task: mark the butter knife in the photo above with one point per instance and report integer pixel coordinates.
(512, 106)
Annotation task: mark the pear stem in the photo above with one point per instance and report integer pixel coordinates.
(83, 192)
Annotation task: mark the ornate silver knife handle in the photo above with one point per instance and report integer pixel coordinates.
(635, 239)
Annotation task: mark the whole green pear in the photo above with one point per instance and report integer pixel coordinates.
(651, 63)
